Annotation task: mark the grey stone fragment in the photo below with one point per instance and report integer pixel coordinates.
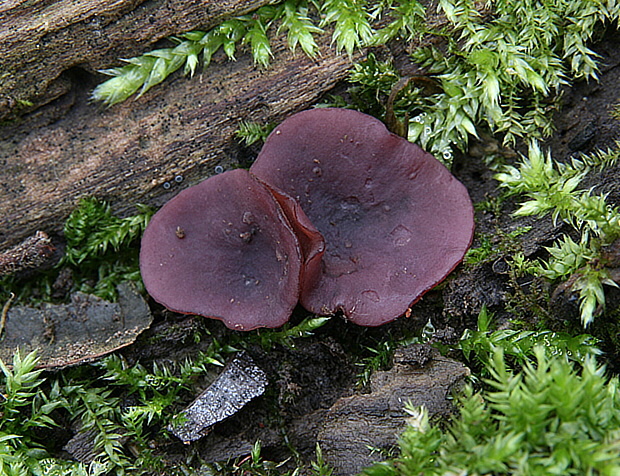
(240, 381)
(82, 330)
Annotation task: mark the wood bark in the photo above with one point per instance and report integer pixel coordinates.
(72, 148)
(356, 425)
(41, 39)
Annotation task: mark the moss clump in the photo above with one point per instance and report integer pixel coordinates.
(552, 417)
(553, 188)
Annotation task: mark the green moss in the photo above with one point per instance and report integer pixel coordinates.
(90, 397)
(493, 246)
(551, 417)
(252, 132)
(553, 188)
(101, 252)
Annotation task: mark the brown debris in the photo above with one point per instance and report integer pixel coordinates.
(358, 423)
(33, 252)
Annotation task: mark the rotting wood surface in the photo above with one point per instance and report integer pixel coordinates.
(357, 424)
(40, 40)
(73, 148)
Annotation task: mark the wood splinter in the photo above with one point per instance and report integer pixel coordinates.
(5, 312)
(33, 252)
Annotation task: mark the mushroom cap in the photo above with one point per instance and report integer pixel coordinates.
(224, 249)
(396, 222)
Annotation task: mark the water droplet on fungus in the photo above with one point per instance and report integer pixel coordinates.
(401, 235)
(372, 296)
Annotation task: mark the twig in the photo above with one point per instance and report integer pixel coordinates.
(33, 252)
(5, 313)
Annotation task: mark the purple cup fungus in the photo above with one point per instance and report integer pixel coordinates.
(336, 213)
(227, 249)
(396, 222)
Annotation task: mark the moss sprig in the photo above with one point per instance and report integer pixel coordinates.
(25, 409)
(268, 338)
(252, 132)
(92, 230)
(99, 246)
(300, 28)
(517, 345)
(351, 19)
(407, 21)
(553, 188)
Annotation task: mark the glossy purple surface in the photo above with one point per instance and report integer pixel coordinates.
(396, 222)
(224, 249)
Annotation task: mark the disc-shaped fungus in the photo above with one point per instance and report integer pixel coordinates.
(396, 222)
(226, 249)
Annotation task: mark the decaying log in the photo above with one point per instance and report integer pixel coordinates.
(42, 39)
(73, 148)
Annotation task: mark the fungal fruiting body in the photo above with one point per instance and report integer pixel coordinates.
(224, 249)
(336, 213)
(396, 222)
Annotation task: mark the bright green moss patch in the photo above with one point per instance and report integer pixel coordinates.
(551, 417)
(553, 188)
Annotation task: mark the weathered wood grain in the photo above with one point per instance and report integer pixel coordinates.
(41, 39)
(73, 148)
(357, 424)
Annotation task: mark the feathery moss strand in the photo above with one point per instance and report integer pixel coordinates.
(552, 188)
